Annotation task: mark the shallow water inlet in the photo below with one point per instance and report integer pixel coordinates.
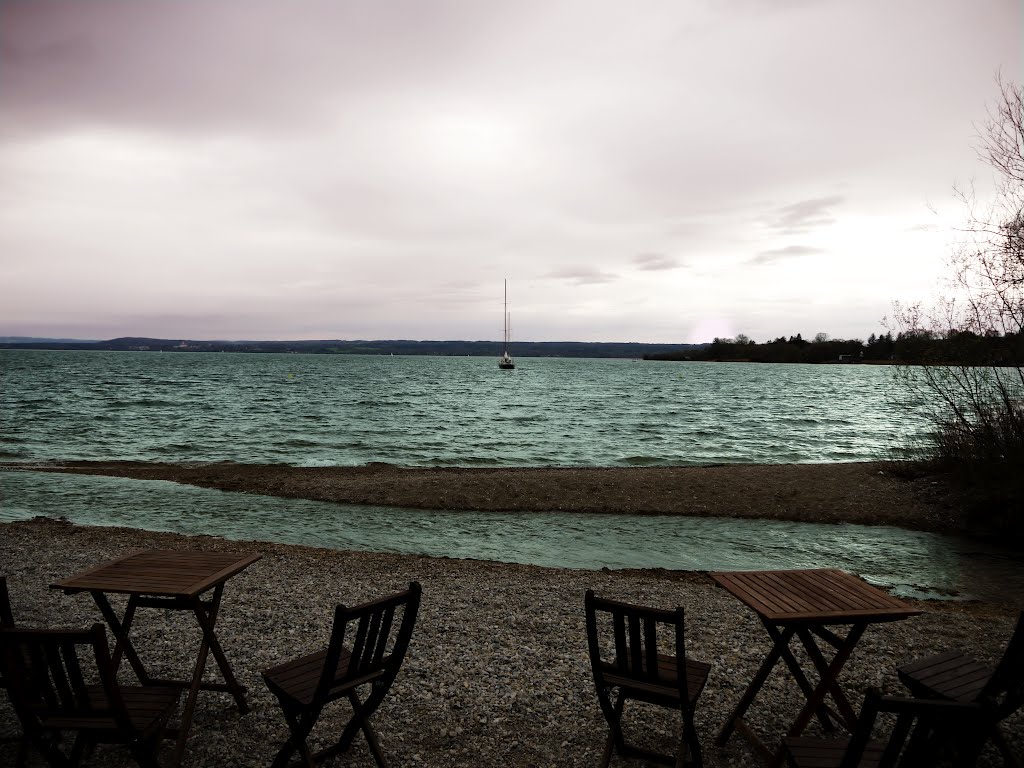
(911, 563)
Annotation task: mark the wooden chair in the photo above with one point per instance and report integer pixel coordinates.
(7, 622)
(919, 738)
(637, 670)
(45, 671)
(6, 615)
(377, 646)
(956, 676)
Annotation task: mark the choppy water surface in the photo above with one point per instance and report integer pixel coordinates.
(422, 411)
(911, 563)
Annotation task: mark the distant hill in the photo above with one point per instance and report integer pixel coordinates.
(364, 347)
(39, 340)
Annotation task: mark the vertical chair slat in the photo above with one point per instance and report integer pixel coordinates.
(39, 669)
(636, 648)
(78, 695)
(372, 638)
(387, 618)
(621, 649)
(358, 662)
(651, 648)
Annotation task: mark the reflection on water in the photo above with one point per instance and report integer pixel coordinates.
(911, 563)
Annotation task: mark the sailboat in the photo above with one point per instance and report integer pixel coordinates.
(505, 362)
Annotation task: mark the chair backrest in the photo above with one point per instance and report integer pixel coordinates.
(921, 733)
(6, 616)
(377, 643)
(52, 675)
(634, 656)
(1004, 691)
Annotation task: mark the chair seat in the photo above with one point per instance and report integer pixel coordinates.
(952, 675)
(146, 706)
(816, 753)
(297, 679)
(666, 690)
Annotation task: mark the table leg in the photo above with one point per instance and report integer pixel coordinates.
(185, 722)
(120, 630)
(781, 642)
(207, 620)
(800, 677)
(206, 615)
(829, 682)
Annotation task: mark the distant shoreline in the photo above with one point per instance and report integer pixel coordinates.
(865, 493)
(383, 347)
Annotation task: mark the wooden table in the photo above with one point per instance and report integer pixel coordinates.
(175, 580)
(804, 604)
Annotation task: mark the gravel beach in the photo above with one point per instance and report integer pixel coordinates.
(497, 672)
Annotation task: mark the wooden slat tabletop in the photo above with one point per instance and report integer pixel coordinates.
(165, 573)
(822, 596)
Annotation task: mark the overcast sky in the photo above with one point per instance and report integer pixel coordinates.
(646, 171)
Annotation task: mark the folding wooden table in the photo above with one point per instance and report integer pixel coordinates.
(805, 603)
(175, 580)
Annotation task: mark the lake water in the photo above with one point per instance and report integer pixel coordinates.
(429, 411)
(425, 411)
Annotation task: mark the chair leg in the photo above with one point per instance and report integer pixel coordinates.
(360, 721)
(613, 714)
(144, 755)
(366, 708)
(78, 749)
(362, 712)
(46, 745)
(1009, 758)
(299, 727)
(691, 743)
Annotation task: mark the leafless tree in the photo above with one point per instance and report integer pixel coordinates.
(977, 390)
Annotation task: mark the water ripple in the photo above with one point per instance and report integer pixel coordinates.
(350, 410)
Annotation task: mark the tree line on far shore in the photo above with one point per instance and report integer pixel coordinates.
(916, 346)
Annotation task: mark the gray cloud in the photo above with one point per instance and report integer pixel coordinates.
(582, 275)
(806, 214)
(788, 252)
(655, 262)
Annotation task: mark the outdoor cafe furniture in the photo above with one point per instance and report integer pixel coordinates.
(64, 681)
(7, 622)
(625, 658)
(172, 580)
(377, 634)
(956, 676)
(918, 738)
(805, 604)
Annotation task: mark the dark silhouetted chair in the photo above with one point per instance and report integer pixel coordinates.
(7, 622)
(6, 615)
(377, 642)
(956, 676)
(919, 738)
(625, 658)
(48, 673)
